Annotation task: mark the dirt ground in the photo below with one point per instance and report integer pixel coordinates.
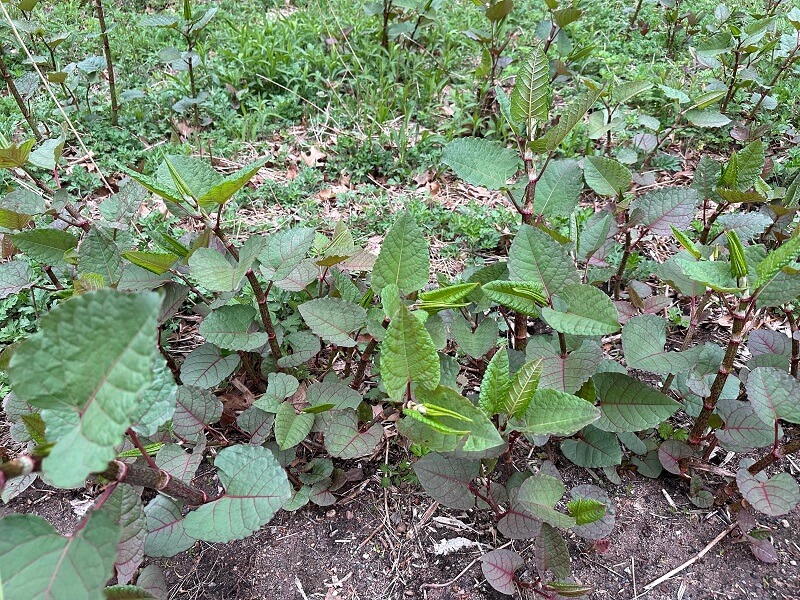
(376, 544)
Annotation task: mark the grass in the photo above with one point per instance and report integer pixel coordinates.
(282, 78)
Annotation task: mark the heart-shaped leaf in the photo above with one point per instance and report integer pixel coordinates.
(499, 567)
(774, 497)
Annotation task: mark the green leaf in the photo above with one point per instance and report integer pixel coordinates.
(48, 153)
(495, 384)
(774, 394)
(206, 367)
(744, 167)
(213, 271)
(481, 162)
(706, 118)
(558, 189)
(551, 553)
(15, 276)
(628, 404)
(521, 296)
(606, 176)
(590, 312)
(179, 463)
(601, 528)
(566, 374)
(155, 262)
(45, 245)
(538, 494)
(474, 343)
(568, 119)
(166, 535)
(530, 98)
(776, 260)
(743, 430)
(551, 412)
(343, 438)
(660, 210)
(408, 355)
(446, 297)
(334, 319)
(194, 409)
(446, 479)
(404, 259)
(643, 340)
(15, 156)
(499, 567)
(255, 485)
(565, 16)
(224, 190)
(595, 449)
(713, 274)
(125, 508)
(536, 257)
(291, 428)
(95, 405)
(586, 510)
(522, 389)
(230, 327)
(37, 562)
(99, 253)
(127, 592)
(156, 403)
(625, 91)
(774, 497)
(284, 252)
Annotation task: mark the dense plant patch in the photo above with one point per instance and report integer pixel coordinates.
(333, 346)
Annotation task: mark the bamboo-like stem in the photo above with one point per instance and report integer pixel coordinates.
(778, 453)
(794, 361)
(358, 379)
(112, 83)
(23, 107)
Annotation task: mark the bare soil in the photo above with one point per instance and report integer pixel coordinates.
(376, 544)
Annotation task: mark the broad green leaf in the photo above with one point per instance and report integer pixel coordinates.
(565, 16)
(291, 427)
(15, 276)
(774, 497)
(45, 245)
(334, 319)
(595, 449)
(706, 178)
(155, 262)
(713, 274)
(551, 412)
(98, 253)
(774, 394)
(156, 403)
(550, 552)
(495, 384)
(206, 367)
(446, 479)
(446, 297)
(776, 260)
(16, 155)
(586, 510)
(625, 91)
(114, 333)
(602, 527)
(404, 259)
(284, 252)
(521, 296)
(530, 98)
(643, 340)
(127, 592)
(706, 118)
(671, 453)
(231, 327)
(536, 257)
(474, 343)
(257, 423)
(125, 508)
(589, 312)
(739, 196)
(332, 391)
(152, 579)
(408, 355)
(343, 438)
(660, 210)
(13, 220)
(566, 374)
(538, 494)
(558, 189)
(606, 176)
(280, 386)
(37, 562)
(255, 485)
(499, 568)
(194, 409)
(178, 463)
(522, 389)
(166, 535)
(744, 167)
(47, 155)
(213, 271)
(481, 162)
(628, 404)
(224, 190)
(568, 119)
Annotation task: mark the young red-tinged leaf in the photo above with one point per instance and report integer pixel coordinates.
(499, 567)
